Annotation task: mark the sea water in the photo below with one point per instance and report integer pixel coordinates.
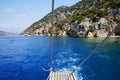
(27, 57)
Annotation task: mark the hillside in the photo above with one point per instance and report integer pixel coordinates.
(87, 18)
(3, 33)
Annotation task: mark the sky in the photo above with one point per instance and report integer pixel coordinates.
(17, 15)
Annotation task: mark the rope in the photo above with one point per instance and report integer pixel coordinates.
(91, 54)
(51, 41)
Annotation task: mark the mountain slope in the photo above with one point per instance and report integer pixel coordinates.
(85, 18)
(3, 33)
(45, 23)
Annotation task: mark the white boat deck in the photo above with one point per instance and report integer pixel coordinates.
(61, 76)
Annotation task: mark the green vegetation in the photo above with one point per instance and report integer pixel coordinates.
(59, 23)
(117, 32)
(91, 30)
(95, 19)
(98, 12)
(110, 23)
(77, 17)
(114, 4)
(116, 20)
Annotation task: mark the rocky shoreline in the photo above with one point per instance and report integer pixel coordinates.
(101, 28)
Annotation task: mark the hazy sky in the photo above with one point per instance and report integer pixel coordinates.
(17, 15)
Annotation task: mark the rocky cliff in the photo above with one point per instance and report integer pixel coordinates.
(90, 18)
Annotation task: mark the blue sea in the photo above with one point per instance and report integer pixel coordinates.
(26, 57)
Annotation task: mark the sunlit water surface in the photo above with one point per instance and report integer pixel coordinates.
(23, 58)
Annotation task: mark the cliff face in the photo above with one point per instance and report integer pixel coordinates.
(91, 18)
